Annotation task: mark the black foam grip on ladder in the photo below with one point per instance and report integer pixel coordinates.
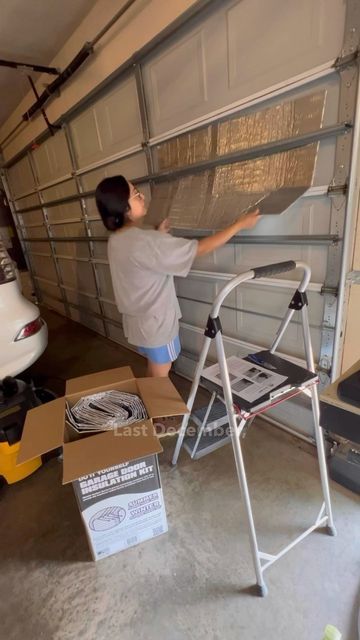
(273, 269)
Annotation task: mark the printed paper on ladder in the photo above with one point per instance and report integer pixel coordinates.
(248, 381)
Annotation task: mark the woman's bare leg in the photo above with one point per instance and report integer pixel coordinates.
(165, 426)
(155, 370)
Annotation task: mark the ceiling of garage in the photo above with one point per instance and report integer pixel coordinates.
(33, 32)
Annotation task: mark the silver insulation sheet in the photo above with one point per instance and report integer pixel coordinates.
(212, 199)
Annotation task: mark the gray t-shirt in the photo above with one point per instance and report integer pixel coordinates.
(143, 264)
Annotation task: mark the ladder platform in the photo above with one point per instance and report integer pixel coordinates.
(297, 379)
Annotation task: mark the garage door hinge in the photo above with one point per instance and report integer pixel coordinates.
(324, 368)
(337, 189)
(346, 61)
(332, 291)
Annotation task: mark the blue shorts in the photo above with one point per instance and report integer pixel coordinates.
(161, 355)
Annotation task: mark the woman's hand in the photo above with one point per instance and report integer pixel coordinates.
(250, 219)
(164, 226)
(245, 221)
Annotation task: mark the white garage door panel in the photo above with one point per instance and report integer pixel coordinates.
(91, 210)
(274, 301)
(97, 229)
(205, 263)
(262, 331)
(52, 158)
(110, 125)
(86, 319)
(64, 212)
(316, 257)
(49, 288)
(78, 275)
(110, 311)
(43, 267)
(105, 285)
(192, 342)
(195, 288)
(188, 58)
(34, 232)
(250, 328)
(100, 250)
(84, 301)
(232, 54)
(116, 334)
(41, 247)
(311, 26)
(324, 167)
(32, 224)
(21, 179)
(70, 229)
(31, 217)
(308, 215)
(196, 314)
(76, 249)
(257, 298)
(296, 415)
(54, 304)
(29, 201)
(62, 190)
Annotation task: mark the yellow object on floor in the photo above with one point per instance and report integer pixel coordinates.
(331, 633)
(8, 468)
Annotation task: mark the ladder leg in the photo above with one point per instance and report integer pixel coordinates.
(192, 395)
(240, 468)
(203, 424)
(319, 436)
(235, 431)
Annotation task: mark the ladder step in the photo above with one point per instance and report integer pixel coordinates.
(209, 442)
(217, 417)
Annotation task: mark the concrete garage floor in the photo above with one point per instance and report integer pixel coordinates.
(194, 582)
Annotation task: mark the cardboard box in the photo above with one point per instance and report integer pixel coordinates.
(115, 474)
(121, 506)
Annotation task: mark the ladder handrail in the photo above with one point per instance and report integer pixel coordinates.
(259, 272)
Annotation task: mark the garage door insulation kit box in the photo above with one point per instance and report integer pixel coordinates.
(115, 474)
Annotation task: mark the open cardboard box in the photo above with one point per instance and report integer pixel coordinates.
(103, 458)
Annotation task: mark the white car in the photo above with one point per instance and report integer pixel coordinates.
(23, 333)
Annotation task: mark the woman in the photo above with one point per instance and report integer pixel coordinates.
(143, 264)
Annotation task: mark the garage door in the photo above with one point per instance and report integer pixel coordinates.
(263, 82)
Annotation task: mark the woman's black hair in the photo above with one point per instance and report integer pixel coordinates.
(112, 200)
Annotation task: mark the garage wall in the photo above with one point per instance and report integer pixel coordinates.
(142, 22)
(351, 352)
(221, 69)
